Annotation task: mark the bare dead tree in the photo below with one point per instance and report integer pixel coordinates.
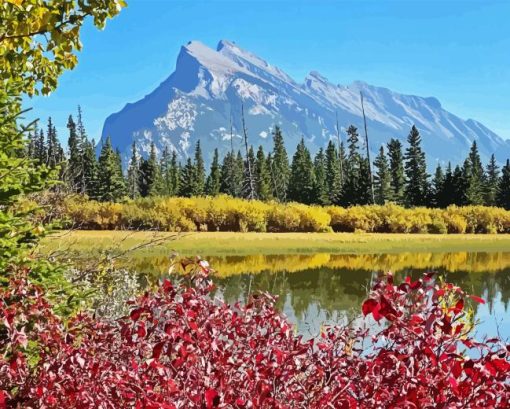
(231, 133)
(368, 150)
(340, 159)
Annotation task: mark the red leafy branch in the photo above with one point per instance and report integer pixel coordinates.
(179, 348)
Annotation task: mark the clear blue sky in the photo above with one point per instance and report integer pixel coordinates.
(457, 51)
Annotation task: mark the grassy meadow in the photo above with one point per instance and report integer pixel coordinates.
(227, 243)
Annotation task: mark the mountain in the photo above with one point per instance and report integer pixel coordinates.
(208, 89)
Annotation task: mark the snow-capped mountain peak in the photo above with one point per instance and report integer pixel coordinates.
(251, 62)
(209, 86)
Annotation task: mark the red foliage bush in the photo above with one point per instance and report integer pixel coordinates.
(179, 348)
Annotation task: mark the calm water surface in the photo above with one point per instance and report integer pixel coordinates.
(329, 288)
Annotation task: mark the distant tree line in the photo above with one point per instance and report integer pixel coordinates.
(338, 175)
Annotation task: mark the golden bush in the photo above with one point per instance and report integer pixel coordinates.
(224, 213)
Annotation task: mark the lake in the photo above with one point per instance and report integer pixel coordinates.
(329, 288)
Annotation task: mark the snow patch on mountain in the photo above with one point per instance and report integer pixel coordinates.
(180, 114)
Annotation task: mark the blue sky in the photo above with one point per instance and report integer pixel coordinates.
(457, 51)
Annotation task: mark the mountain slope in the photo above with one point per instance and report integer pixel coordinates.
(208, 88)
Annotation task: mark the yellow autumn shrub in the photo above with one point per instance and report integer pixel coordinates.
(455, 222)
(221, 214)
(337, 215)
(224, 213)
(357, 218)
(252, 216)
(296, 217)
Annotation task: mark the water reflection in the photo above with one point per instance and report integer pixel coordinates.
(327, 288)
(229, 265)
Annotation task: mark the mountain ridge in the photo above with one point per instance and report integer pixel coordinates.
(209, 86)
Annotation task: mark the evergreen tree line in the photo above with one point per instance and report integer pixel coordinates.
(336, 175)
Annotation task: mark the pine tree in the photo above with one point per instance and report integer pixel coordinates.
(382, 178)
(491, 185)
(174, 177)
(269, 166)
(280, 170)
(262, 176)
(80, 128)
(118, 158)
(416, 186)
(164, 167)
(75, 158)
(321, 186)
(187, 179)
(397, 178)
(228, 183)
(352, 186)
(239, 173)
(30, 146)
(40, 148)
(249, 182)
(82, 141)
(48, 143)
(157, 188)
(503, 196)
(437, 190)
(53, 148)
(466, 175)
(302, 179)
(342, 158)
(143, 181)
(458, 195)
(198, 188)
(133, 174)
(474, 177)
(111, 186)
(332, 174)
(90, 170)
(364, 193)
(212, 186)
(447, 194)
(33, 143)
(56, 156)
(150, 182)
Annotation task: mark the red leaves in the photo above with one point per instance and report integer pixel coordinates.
(180, 348)
(379, 309)
(3, 400)
(156, 351)
(477, 299)
(259, 358)
(430, 354)
(141, 331)
(193, 325)
(167, 286)
(369, 306)
(501, 364)
(135, 314)
(459, 306)
(280, 356)
(453, 382)
(211, 398)
(440, 293)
